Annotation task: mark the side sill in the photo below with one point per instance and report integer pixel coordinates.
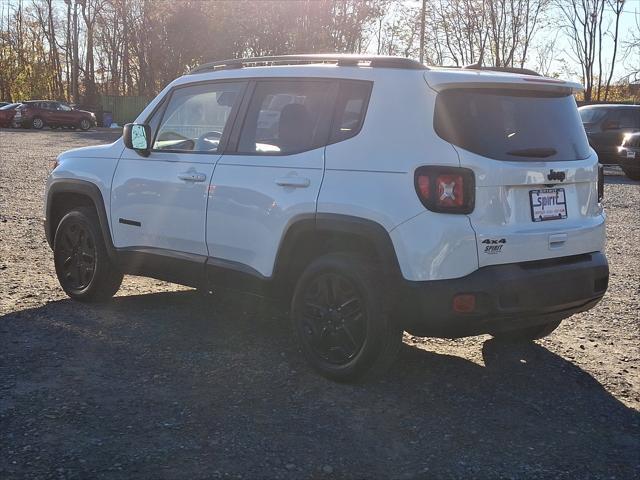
(169, 266)
(198, 271)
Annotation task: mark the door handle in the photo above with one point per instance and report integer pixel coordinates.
(296, 182)
(192, 177)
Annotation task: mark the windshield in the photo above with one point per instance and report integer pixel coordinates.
(512, 125)
(9, 107)
(591, 115)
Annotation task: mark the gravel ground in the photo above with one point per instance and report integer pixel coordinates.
(158, 384)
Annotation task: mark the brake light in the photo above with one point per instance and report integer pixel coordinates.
(600, 183)
(446, 189)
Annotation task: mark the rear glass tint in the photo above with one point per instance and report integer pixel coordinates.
(512, 125)
(592, 115)
(351, 106)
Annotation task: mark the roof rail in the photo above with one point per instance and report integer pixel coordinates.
(343, 60)
(523, 71)
(475, 66)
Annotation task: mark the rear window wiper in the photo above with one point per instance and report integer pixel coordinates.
(533, 152)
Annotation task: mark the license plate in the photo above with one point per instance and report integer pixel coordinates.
(548, 204)
(631, 154)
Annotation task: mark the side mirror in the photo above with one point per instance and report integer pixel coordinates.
(137, 137)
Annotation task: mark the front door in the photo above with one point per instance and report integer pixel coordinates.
(159, 202)
(272, 173)
(60, 114)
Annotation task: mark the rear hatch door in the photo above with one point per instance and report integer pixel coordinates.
(536, 176)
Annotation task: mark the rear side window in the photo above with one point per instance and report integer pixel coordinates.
(515, 126)
(287, 116)
(351, 106)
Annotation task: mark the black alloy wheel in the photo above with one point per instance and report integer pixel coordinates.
(76, 256)
(83, 266)
(341, 317)
(334, 320)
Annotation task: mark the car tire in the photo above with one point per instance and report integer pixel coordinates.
(632, 174)
(84, 125)
(82, 264)
(527, 334)
(37, 123)
(341, 320)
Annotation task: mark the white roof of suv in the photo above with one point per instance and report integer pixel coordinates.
(372, 66)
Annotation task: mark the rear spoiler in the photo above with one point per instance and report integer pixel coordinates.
(445, 79)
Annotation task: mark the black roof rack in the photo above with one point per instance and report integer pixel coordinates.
(376, 61)
(523, 71)
(475, 66)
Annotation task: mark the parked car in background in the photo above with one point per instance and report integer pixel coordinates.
(4, 104)
(629, 156)
(40, 113)
(7, 112)
(606, 127)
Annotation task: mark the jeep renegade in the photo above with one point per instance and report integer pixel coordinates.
(372, 194)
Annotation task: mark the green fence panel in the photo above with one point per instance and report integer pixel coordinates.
(124, 109)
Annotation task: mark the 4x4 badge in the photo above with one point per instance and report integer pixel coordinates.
(553, 175)
(493, 246)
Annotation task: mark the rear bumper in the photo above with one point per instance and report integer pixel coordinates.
(508, 296)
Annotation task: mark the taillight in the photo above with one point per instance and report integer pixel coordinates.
(446, 189)
(600, 183)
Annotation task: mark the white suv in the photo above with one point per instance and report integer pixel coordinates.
(372, 194)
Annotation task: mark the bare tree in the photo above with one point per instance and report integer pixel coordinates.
(582, 25)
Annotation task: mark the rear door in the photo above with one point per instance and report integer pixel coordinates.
(47, 112)
(536, 180)
(159, 202)
(272, 173)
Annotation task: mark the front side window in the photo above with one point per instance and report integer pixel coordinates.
(64, 108)
(286, 116)
(196, 117)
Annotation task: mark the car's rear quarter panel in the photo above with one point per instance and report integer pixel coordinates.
(372, 176)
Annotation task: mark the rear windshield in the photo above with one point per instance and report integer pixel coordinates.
(515, 126)
(592, 115)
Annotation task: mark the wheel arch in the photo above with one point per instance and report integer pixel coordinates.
(64, 194)
(309, 237)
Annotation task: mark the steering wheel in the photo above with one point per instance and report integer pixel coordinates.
(208, 141)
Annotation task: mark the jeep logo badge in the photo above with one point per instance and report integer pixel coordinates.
(553, 175)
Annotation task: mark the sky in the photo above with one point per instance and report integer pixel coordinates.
(564, 63)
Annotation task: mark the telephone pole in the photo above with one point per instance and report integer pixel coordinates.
(422, 22)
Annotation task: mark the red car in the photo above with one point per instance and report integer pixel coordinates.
(39, 113)
(6, 114)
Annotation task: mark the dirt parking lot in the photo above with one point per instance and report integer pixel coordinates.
(159, 384)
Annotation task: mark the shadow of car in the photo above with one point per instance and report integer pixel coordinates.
(180, 378)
